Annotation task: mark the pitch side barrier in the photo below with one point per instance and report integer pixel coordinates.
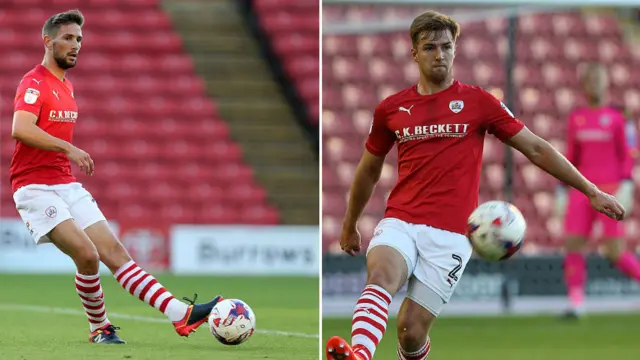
(521, 285)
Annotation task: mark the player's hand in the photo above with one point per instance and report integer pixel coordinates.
(82, 159)
(608, 205)
(350, 240)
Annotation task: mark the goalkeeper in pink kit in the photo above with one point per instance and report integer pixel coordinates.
(602, 145)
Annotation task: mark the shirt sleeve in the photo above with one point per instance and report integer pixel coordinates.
(626, 142)
(380, 139)
(29, 96)
(499, 120)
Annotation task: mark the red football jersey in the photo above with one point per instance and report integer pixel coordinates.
(440, 139)
(43, 94)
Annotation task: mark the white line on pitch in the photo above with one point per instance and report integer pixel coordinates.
(54, 310)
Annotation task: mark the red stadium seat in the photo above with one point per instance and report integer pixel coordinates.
(293, 29)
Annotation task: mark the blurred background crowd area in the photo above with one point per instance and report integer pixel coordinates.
(195, 111)
(366, 57)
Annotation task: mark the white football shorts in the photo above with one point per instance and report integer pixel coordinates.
(43, 207)
(435, 259)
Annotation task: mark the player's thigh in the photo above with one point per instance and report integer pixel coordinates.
(70, 239)
(112, 252)
(611, 228)
(41, 209)
(442, 259)
(579, 217)
(613, 237)
(414, 319)
(82, 205)
(392, 254)
(90, 218)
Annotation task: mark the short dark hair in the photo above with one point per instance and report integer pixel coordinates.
(433, 21)
(52, 25)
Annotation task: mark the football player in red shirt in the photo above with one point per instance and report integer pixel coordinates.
(55, 206)
(439, 127)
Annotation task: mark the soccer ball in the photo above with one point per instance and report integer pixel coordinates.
(232, 321)
(496, 230)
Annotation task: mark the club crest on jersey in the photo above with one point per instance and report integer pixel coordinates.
(456, 106)
(31, 96)
(605, 120)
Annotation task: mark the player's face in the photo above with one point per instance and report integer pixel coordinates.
(66, 45)
(434, 54)
(595, 82)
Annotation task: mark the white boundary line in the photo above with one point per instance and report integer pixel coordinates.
(68, 311)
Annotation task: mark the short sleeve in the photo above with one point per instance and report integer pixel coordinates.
(29, 96)
(499, 120)
(380, 139)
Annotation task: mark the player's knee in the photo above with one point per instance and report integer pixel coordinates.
(87, 259)
(386, 277)
(115, 255)
(387, 268)
(613, 249)
(412, 335)
(574, 243)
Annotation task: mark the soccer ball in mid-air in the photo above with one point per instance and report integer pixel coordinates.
(496, 230)
(232, 321)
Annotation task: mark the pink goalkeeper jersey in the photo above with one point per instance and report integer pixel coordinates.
(601, 144)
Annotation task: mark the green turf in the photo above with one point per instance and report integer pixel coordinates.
(280, 304)
(518, 338)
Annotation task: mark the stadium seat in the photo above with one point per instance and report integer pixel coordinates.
(293, 28)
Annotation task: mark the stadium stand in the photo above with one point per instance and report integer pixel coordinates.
(162, 150)
(360, 70)
(293, 29)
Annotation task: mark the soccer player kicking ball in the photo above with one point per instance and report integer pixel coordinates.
(56, 208)
(600, 143)
(439, 127)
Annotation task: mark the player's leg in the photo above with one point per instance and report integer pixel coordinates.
(185, 317)
(48, 219)
(577, 226)
(391, 257)
(442, 259)
(415, 320)
(71, 240)
(615, 248)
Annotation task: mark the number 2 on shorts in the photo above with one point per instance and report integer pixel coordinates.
(453, 274)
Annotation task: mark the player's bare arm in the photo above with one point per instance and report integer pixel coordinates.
(365, 180)
(24, 129)
(546, 157)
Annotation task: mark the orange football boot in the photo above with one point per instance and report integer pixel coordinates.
(339, 349)
(197, 314)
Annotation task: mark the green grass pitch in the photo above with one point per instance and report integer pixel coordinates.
(517, 338)
(41, 318)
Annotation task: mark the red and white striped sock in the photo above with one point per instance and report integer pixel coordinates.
(90, 292)
(145, 287)
(421, 354)
(370, 320)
